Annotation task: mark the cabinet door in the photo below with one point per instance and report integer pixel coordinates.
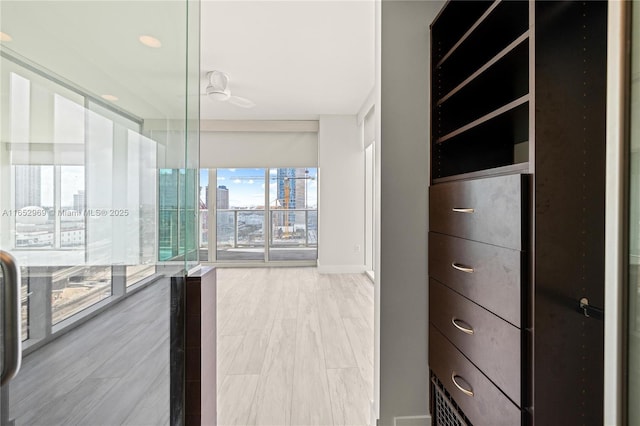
(569, 194)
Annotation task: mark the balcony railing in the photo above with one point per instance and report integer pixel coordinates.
(241, 234)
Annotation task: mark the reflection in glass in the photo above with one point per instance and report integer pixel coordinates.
(203, 225)
(168, 214)
(89, 118)
(34, 211)
(76, 288)
(24, 306)
(72, 207)
(83, 192)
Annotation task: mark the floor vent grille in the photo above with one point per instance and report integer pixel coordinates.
(445, 410)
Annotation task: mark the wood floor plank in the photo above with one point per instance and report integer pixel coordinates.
(152, 410)
(347, 302)
(311, 403)
(362, 290)
(227, 348)
(349, 397)
(337, 348)
(236, 398)
(308, 278)
(272, 404)
(65, 409)
(61, 366)
(361, 339)
(130, 391)
(282, 325)
(290, 292)
(233, 312)
(268, 304)
(250, 355)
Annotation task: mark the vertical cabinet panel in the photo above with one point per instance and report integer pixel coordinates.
(516, 205)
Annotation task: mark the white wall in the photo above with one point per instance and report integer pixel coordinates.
(404, 371)
(369, 214)
(340, 195)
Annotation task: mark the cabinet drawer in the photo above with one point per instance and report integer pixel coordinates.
(488, 275)
(491, 343)
(481, 401)
(488, 210)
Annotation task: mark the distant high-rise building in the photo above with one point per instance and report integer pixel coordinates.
(204, 204)
(79, 201)
(222, 197)
(295, 180)
(28, 186)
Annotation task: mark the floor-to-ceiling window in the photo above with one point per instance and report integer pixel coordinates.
(260, 192)
(261, 214)
(293, 216)
(240, 214)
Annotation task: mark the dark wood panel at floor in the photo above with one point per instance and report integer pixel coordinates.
(111, 370)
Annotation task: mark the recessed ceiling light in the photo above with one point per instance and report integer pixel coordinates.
(150, 41)
(5, 37)
(110, 98)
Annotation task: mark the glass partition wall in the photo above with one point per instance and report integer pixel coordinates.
(99, 159)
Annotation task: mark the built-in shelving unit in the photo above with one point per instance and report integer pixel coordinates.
(516, 212)
(481, 85)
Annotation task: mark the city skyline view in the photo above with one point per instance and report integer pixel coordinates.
(246, 186)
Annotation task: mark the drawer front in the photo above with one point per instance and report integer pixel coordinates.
(491, 343)
(487, 405)
(487, 274)
(488, 210)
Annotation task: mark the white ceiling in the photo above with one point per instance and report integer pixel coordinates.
(293, 59)
(94, 45)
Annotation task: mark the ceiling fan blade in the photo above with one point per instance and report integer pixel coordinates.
(218, 79)
(241, 102)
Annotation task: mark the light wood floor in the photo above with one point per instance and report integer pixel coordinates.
(294, 348)
(112, 370)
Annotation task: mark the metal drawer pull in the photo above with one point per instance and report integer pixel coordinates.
(462, 268)
(462, 210)
(460, 325)
(468, 392)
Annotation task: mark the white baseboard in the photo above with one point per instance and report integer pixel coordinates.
(412, 421)
(371, 276)
(341, 269)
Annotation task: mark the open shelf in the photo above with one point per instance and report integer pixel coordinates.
(501, 140)
(453, 23)
(506, 80)
(485, 118)
(507, 21)
(496, 171)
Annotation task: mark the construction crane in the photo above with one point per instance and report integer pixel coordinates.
(287, 192)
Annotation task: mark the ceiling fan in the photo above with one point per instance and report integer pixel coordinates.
(218, 90)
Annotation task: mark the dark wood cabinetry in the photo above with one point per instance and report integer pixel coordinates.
(516, 210)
